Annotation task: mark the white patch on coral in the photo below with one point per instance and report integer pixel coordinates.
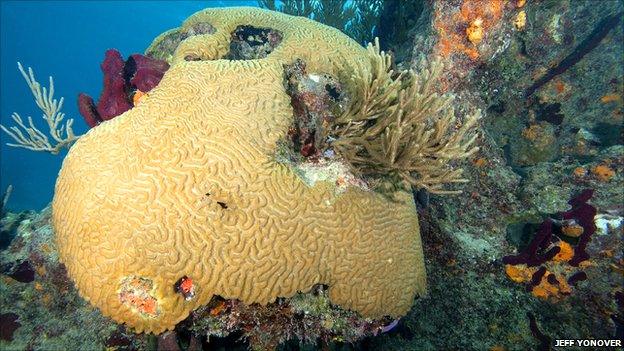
(554, 28)
(314, 77)
(606, 224)
(334, 172)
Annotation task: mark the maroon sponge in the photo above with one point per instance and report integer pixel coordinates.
(121, 80)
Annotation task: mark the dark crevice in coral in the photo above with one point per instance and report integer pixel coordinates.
(609, 134)
(119, 340)
(332, 91)
(222, 204)
(188, 341)
(129, 69)
(8, 325)
(249, 43)
(550, 113)
(577, 277)
(319, 289)
(167, 46)
(552, 279)
(168, 341)
(192, 57)
(23, 272)
(520, 235)
(536, 278)
(285, 324)
(421, 198)
(317, 100)
(544, 340)
(8, 227)
(234, 341)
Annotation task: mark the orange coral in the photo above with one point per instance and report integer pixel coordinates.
(135, 292)
(475, 31)
(560, 86)
(519, 273)
(520, 21)
(552, 282)
(136, 98)
(566, 253)
(603, 172)
(572, 230)
(580, 172)
(610, 98)
(547, 290)
(476, 17)
(480, 162)
(220, 307)
(532, 132)
(145, 305)
(187, 285)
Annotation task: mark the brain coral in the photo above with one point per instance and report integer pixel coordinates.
(186, 184)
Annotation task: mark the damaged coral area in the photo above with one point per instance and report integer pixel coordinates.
(249, 43)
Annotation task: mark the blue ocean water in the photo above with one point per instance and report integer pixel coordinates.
(67, 40)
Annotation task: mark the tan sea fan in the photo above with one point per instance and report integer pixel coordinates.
(29, 136)
(399, 125)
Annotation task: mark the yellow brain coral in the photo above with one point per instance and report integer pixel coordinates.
(186, 184)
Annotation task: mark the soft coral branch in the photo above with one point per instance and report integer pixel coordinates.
(29, 136)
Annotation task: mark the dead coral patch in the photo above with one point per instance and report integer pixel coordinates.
(317, 99)
(166, 46)
(136, 293)
(249, 43)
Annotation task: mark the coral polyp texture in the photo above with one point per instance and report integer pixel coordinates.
(189, 187)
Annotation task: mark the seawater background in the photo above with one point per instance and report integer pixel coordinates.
(67, 40)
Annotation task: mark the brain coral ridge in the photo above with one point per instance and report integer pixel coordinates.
(188, 186)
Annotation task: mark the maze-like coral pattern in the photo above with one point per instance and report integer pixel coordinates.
(185, 184)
